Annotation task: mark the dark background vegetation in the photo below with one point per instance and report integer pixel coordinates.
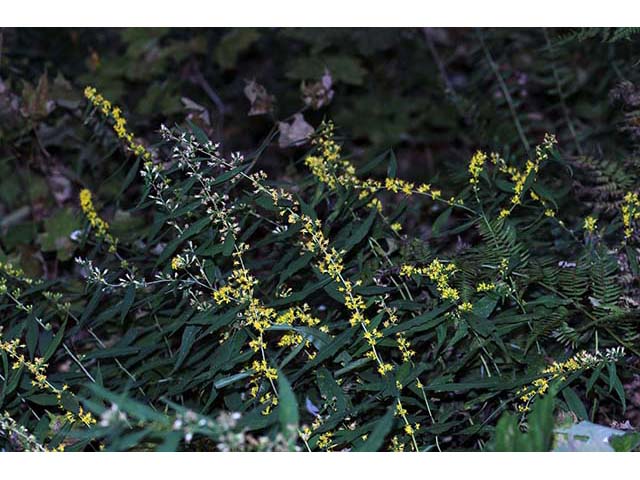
(433, 95)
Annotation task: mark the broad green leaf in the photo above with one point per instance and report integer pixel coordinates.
(287, 406)
(376, 438)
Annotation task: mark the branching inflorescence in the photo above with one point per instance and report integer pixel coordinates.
(358, 321)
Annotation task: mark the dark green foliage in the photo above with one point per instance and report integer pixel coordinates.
(162, 366)
(539, 434)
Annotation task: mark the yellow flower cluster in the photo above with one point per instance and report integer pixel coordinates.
(439, 274)
(119, 122)
(37, 368)
(82, 416)
(258, 316)
(330, 263)
(98, 224)
(504, 213)
(630, 213)
(475, 167)
(372, 336)
(262, 370)
(555, 371)
(301, 316)
(408, 428)
(396, 444)
(405, 348)
(240, 290)
(329, 168)
(330, 260)
(485, 287)
(261, 318)
(176, 263)
(239, 287)
(396, 185)
(465, 307)
(290, 339)
(519, 178)
(16, 272)
(325, 441)
(590, 225)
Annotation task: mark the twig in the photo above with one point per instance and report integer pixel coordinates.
(439, 63)
(563, 104)
(16, 216)
(505, 92)
(198, 79)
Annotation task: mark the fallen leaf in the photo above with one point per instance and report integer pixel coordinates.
(261, 101)
(318, 94)
(295, 133)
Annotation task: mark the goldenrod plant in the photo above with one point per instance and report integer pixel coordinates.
(309, 295)
(303, 313)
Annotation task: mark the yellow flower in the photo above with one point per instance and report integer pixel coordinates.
(396, 445)
(176, 263)
(405, 348)
(630, 212)
(590, 224)
(439, 274)
(223, 295)
(98, 224)
(475, 167)
(372, 336)
(485, 287)
(119, 123)
(407, 270)
(290, 339)
(400, 410)
(257, 344)
(531, 169)
(325, 441)
(557, 371)
(465, 307)
(375, 204)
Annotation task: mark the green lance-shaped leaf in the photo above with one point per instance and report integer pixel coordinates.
(288, 407)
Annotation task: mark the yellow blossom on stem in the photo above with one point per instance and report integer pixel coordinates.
(630, 213)
(100, 227)
(590, 225)
(119, 122)
(475, 167)
(485, 287)
(176, 263)
(405, 348)
(559, 370)
(325, 441)
(465, 307)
